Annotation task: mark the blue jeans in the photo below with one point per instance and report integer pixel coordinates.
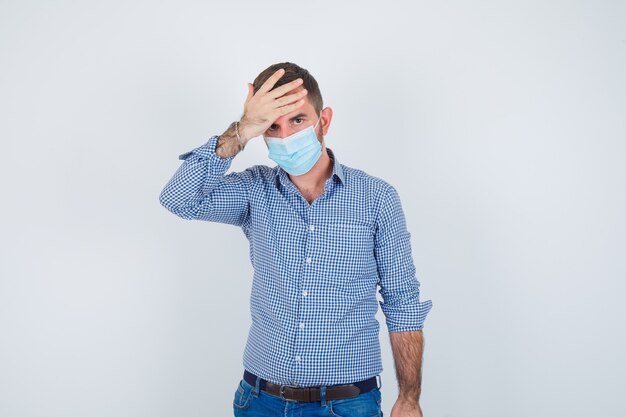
(249, 401)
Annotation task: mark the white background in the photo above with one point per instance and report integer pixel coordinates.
(501, 124)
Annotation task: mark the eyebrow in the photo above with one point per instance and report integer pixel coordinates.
(298, 116)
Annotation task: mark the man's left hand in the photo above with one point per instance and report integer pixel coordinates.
(404, 408)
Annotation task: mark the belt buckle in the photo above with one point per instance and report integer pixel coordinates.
(282, 392)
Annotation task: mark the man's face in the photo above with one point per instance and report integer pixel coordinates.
(301, 118)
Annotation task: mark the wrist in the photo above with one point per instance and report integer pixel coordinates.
(240, 141)
(244, 131)
(409, 399)
(227, 144)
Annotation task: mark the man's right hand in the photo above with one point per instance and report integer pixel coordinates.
(263, 108)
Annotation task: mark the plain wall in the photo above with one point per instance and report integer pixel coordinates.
(501, 124)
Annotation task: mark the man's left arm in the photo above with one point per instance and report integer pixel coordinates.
(404, 312)
(407, 348)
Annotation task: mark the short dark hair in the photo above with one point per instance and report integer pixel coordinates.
(292, 72)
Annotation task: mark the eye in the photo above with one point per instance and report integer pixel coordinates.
(272, 127)
(296, 120)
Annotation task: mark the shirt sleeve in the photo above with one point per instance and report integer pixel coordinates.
(200, 190)
(399, 286)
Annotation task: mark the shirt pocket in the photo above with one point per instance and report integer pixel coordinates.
(351, 237)
(350, 247)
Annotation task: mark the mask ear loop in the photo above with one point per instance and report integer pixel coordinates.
(318, 121)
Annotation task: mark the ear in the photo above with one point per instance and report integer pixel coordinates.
(327, 116)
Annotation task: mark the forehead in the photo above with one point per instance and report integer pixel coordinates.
(307, 108)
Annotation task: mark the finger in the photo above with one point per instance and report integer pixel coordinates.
(269, 83)
(289, 108)
(283, 89)
(289, 98)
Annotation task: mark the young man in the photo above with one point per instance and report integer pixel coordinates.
(322, 237)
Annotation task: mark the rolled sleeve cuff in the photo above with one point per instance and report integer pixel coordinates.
(217, 164)
(406, 317)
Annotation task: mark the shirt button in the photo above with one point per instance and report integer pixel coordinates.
(312, 227)
(305, 293)
(298, 358)
(302, 325)
(308, 260)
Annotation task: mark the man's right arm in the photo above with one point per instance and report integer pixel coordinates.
(200, 190)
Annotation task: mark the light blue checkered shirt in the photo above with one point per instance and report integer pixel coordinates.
(316, 266)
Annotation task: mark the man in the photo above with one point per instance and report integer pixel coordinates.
(322, 237)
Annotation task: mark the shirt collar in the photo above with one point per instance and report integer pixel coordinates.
(337, 170)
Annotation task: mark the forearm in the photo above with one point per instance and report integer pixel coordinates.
(228, 144)
(407, 348)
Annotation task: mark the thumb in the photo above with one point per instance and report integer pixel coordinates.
(250, 91)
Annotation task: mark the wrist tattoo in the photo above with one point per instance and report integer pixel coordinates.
(227, 144)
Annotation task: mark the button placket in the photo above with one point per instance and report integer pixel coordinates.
(300, 325)
(308, 260)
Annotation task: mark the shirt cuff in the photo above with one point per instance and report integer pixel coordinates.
(218, 164)
(408, 318)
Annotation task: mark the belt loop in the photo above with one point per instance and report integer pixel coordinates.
(257, 386)
(323, 395)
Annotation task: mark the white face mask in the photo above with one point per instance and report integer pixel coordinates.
(298, 152)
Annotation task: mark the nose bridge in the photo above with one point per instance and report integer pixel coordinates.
(284, 129)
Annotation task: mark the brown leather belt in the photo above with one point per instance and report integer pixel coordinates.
(309, 394)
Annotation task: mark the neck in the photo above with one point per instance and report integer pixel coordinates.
(316, 176)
